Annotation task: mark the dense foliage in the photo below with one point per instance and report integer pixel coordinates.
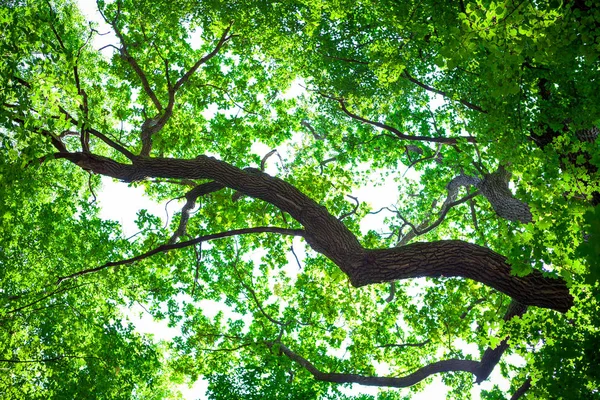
(263, 118)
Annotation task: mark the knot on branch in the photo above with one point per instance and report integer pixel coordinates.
(454, 185)
(588, 135)
(495, 188)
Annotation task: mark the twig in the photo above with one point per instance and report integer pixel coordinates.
(350, 212)
(402, 345)
(198, 252)
(90, 187)
(253, 294)
(295, 256)
(265, 158)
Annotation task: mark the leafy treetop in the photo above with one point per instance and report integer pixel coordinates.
(493, 103)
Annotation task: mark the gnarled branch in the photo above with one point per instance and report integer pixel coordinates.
(481, 369)
(330, 237)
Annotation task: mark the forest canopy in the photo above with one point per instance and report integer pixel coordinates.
(262, 121)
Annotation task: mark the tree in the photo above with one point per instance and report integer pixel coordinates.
(493, 104)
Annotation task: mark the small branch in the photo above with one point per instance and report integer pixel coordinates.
(522, 389)
(91, 188)
(434, 156)
(398, 382)
(47, 360)
(345, 215)
(475, 303)
(444, 94)
(224, 38)
(254, 297)
(55, 140)
(481, 369)
(423, 230)
(153, 125)
(99, 135)
(56, 291)
(198, 252)
(390, 298)
(131, 61)
(395, 131)
(296, 257)
(348, 60)
(403, 345)
(265, 158)
(168, 247)
(191, 197)
(311, 129)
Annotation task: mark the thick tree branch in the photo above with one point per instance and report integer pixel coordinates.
(330, 237)
(168, 247)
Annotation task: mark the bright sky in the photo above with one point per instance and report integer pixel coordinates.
(121, 203)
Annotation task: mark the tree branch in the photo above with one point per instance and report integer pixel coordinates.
(395, 131)
(403, 345)
(168, 247)
(153, 125)
(481, 369)
(255, 298)
(445, 208)
(330, 237)
(191, 197)
(444, 94)
(50, 359)
(99, 135)
(522, 389)
(56, 139)
(131, 61)
(224, 38)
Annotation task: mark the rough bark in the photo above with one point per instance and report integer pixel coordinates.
(480, 369)
(330, 237)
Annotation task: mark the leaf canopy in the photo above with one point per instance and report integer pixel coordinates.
(265, 119)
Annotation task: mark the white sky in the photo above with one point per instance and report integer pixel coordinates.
(121, 203)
